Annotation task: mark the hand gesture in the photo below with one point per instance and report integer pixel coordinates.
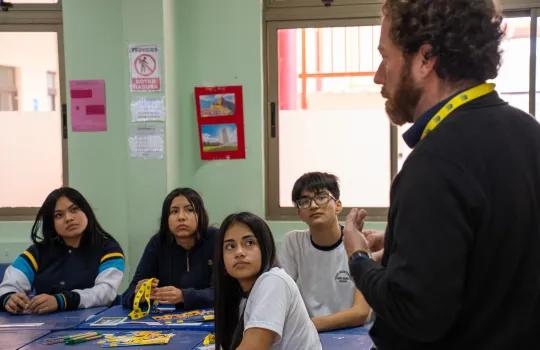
(167, 295)
(17, 303)
(352, 233)
(43, 304)
(375, 241)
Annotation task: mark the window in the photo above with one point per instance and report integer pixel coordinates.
(33, 1)
(51, 90)
(325, 113)
(513, 79)
(31, 5)
(32, 148)
(330, 110)
(8, 89)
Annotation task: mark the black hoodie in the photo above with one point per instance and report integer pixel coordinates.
(188, 270)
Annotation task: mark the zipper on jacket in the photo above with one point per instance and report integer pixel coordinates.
(187, 260)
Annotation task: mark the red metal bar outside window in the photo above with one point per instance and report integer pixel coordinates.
(304, 75)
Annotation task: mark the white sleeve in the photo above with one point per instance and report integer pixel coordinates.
(268, 305)
(104, 290)
(15, 281)
(288, 254)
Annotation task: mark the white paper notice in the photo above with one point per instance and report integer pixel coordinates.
(145, 109)
(30, 324)
(146, 141)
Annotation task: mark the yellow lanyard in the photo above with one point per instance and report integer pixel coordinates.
(144, 291)
(136, 338)
(209, 339)
(457, 101)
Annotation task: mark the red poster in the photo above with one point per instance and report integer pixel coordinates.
(220, 116)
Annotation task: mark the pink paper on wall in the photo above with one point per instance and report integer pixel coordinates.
(88, 111)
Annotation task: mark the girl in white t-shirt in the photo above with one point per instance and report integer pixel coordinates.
(257, 305)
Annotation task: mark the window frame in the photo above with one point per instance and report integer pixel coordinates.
(533, 14)
(39, 18)
(34, 6)
(11, 89)
(283, 14)
(52, 91)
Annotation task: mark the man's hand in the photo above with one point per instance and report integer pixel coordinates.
(375, 240)
(167, 295)
(352, 233)
(17, 303)
(43, 304)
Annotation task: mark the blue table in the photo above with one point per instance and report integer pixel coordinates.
(352, 331)
(52, 321)
(183, 340)
(336, 341)
(14, 339)
(120, 311)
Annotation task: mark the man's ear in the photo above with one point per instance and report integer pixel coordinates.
(425, 60)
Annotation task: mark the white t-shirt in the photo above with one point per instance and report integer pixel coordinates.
(322, 275)
(275, 304)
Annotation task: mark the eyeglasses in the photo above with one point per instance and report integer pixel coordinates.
(321, 199)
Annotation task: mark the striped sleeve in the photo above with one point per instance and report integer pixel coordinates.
(113, 260)
(110, 274)
(27, 264)
(19, 276)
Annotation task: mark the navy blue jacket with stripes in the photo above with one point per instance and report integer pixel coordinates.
(78, 277)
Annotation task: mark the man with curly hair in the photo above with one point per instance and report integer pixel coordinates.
(461, 262)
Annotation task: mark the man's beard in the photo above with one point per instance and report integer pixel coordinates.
(401, 106)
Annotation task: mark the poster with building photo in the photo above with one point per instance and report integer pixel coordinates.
(220, 117)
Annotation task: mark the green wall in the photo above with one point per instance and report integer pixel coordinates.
(204, 43)
(212, 46)
(125, 192)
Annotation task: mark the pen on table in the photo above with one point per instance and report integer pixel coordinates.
(201, 318)
(82, 339)
(64, 338)
(81, 335)
(55, 340)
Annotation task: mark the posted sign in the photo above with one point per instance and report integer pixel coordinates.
(144, 68)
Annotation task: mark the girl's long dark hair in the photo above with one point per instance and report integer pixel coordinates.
(195, 200)
(43, 231)
(227, 291)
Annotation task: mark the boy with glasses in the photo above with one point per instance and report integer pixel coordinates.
(316, 259)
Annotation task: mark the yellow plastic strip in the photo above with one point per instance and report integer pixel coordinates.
(144, 292)
(456, 102)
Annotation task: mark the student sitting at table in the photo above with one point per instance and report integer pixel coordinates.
(73, 263)
(258, 306)
(179, 256)
(316, 259)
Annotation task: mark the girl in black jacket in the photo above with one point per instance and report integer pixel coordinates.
(179, 256)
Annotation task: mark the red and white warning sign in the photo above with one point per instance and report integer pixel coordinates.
(144, 68)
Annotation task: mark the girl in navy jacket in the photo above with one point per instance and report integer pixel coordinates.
(73, 263)
(179, 256)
